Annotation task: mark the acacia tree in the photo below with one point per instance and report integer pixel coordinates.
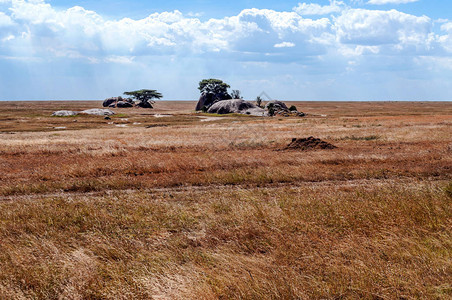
(215, 87)
(145, 97)
(212, 90)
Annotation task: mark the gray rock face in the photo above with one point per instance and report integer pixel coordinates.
(123, 104)
(207, 100)
(118, 102)
(65, 113)
(111, 101)
(237, 106)
(278, 105)
(144, 104)
(204, 101)
(98, 112)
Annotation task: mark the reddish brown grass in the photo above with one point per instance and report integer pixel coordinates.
(214, 209)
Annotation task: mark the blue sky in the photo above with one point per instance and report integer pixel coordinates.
(293, 50)
(219, 9)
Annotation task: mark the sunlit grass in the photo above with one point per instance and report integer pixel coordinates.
(390, 241)
(179, 208)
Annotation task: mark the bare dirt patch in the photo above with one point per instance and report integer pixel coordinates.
(310, 143)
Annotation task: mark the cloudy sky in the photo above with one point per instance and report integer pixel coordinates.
(314, 50)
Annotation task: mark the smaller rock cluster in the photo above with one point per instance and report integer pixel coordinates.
(236, 106)
(65, 113)
(118, 102)
(278, 108)
(240, 106)
(93, 111)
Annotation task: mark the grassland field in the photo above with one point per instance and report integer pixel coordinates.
(166, 203)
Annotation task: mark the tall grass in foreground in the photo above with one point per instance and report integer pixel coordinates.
(374, 242)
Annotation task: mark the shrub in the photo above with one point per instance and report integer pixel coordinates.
(271, 109)
(259, 101)
(236, 94)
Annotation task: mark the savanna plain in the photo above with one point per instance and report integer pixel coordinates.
(166, 203)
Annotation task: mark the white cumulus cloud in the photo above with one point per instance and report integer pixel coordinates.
(376, 27)
(316, 9)
(338, 40)
(253, 34)
(284, 45)
(445, 39)
(120, 59)
(382, 2)
(5, 20)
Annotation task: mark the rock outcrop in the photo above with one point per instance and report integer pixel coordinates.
(98, 112)
(279, 108)
(123, 104)
(278, 105)
(144, 104)
(93, 111)
(64, 113)
(206, 100)
(111, 102)
(237, 106)
(118, 102)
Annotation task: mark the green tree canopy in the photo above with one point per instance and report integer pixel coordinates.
(145, 97)
(214, 86)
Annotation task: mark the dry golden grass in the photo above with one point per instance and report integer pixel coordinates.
(184, 207)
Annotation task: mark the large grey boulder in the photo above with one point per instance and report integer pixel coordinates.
(145, 104)
(98, 112)
(206, 100)
(237, 106)
(64, 113)
(111, 102)
(277, 105)
(118, 102)
(123, 104)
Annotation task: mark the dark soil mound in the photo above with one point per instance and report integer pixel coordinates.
(310, 143)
